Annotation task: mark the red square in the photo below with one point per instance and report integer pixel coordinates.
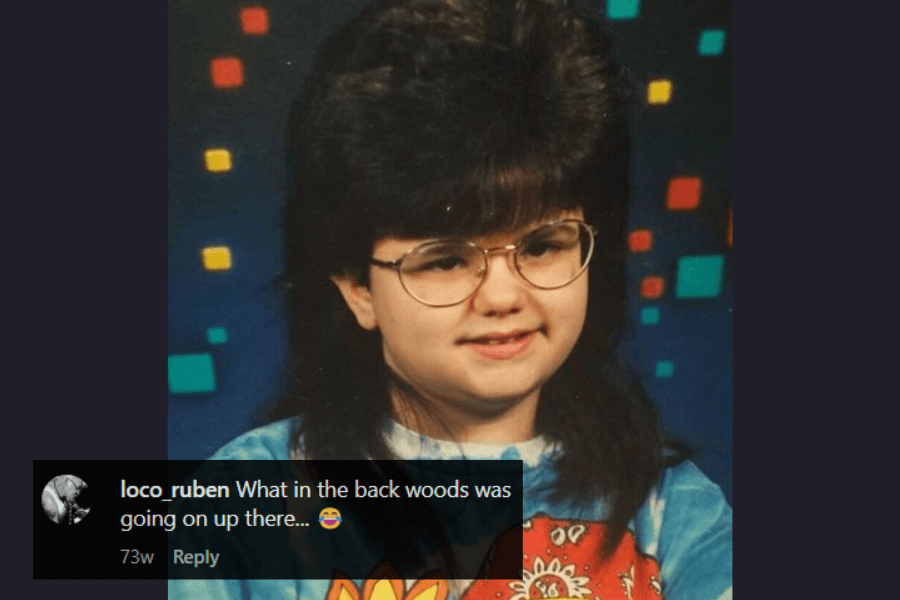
(729, 229)
(652, 287)
(227, 72)
(640, 240)
(255, 20)
(684, 193)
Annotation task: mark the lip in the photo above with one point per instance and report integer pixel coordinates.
(500, 346)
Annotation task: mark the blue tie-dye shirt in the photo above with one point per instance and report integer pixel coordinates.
(679, 545)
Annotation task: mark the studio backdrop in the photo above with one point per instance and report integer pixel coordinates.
(234, 69)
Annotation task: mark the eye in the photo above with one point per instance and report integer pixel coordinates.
(439, 258)
(447, 263)
(538, 248)
(550, 241)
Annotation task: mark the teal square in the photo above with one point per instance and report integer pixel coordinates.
(664, 368)
(217, 335)
(650, 315)
(699, 276)
(712, 42)
(191, 373)
(622, 9)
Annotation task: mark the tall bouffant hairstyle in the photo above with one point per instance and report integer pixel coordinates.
(427, 118)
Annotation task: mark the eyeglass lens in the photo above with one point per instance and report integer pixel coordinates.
(447, 272)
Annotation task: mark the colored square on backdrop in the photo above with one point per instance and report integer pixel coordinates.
(684, 193)
(665, 368)
(191, 373)
(659, 91)
(216, 335)
(216, 258)
(218, 160)
(699, 276)
(711, 43)
(227, 72)
(622, 9)
(640, 240)
(652, 287)
(650, 315)
(729, 228)
(255, 20)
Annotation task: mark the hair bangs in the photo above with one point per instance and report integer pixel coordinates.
(487, 200)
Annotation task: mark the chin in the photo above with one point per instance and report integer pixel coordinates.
(497, 399)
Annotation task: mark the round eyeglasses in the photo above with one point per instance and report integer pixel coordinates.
(447, 272)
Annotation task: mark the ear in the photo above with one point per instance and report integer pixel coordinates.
(358, 299)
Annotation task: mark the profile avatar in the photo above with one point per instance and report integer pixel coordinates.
(330, 518)
(66, 500)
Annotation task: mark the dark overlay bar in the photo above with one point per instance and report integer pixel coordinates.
(277, 519)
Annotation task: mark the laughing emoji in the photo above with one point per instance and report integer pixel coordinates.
(330, 518)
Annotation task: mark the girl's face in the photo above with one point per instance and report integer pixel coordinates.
(493, 350)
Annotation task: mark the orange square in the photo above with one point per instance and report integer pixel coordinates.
(255, 20)
(227, 72)
(652, 287)
(684, 193)
(640, 240)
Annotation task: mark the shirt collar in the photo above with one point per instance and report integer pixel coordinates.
(410, 445)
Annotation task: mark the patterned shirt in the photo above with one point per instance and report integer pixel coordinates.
(678, 546)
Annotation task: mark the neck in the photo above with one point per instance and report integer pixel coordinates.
(462, 422)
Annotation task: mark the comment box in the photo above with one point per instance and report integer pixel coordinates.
(277, 519)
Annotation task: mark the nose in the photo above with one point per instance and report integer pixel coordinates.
(502, 290)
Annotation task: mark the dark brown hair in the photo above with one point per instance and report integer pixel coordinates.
(426, 118)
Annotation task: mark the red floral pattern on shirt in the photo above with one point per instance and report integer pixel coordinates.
(561, 561)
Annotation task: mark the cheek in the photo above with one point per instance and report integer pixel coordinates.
(411, 333)
(413, 337)
(571, 314)
(574, 305)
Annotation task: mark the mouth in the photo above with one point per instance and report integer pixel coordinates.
(501, 346)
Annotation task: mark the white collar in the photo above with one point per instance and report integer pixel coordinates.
(410, 445)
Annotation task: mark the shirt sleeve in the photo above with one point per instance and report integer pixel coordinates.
(265, 443)
(691, 534)
(199, 589)
(251, 589)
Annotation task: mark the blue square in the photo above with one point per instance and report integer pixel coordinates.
(191, 373)
(650, 315)
(217, 335)
(711, 43)
(699, 276)
(622, 9)
(664, 368)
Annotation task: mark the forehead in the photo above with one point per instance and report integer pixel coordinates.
(388, 246)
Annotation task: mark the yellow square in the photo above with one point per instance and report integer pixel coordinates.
(659, 91)
(218, 160)
(217, 258)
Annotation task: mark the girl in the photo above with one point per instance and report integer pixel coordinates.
(455, 253)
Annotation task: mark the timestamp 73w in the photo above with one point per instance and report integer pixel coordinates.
(133, 557)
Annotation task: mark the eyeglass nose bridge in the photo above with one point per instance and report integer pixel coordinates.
(486, 253)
